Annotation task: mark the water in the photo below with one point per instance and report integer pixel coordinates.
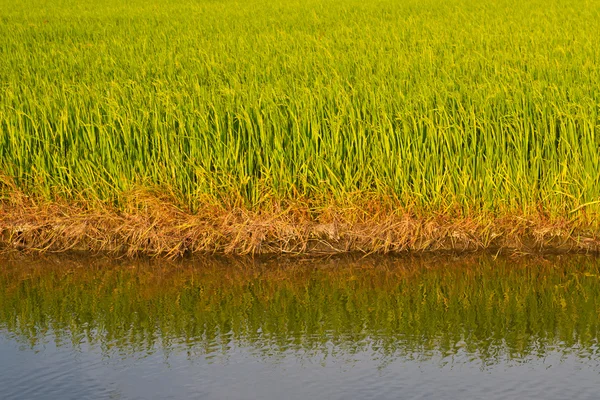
(372, 328)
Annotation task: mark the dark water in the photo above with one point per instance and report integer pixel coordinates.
(373, 328)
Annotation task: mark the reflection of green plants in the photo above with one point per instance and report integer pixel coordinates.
(489, 308)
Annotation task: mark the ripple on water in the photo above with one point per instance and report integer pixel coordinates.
(369, 328)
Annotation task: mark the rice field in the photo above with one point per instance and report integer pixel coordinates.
(477, 107)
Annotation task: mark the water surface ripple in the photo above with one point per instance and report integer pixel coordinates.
(343, 328)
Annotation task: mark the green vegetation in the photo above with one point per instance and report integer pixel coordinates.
(478, 105)
(489, 308)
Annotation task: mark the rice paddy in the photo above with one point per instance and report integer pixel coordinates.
(317, 118)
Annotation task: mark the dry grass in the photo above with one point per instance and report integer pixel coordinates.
(154, 225)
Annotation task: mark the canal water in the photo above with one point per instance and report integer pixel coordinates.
(341, 328)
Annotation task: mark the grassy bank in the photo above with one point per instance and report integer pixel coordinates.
(274, 125)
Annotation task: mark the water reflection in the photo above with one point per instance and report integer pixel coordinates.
(492, 309)
(353, 314)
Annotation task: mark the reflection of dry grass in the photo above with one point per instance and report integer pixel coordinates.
(488, 306)
(153, 225)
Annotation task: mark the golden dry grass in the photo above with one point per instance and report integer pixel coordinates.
(155, 225)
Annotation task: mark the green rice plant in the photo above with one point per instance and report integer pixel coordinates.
(481, 105)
